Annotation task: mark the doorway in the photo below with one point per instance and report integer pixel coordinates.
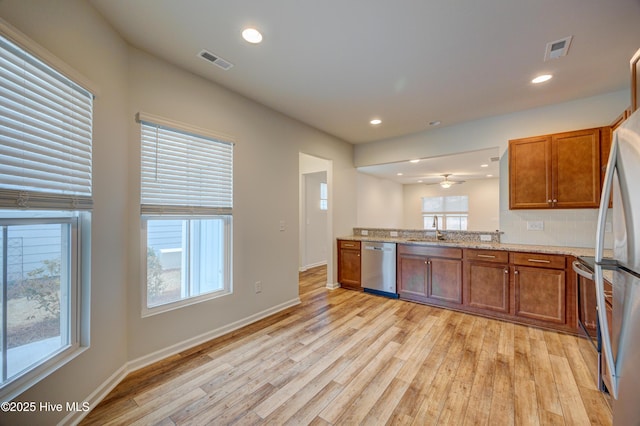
(315, 247)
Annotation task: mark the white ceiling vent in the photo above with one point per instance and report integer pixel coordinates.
(558, 48)
(215, 59)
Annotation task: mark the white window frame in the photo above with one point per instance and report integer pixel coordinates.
(48, 204)
(191, 300)
(156, 210)
(442, 215)
(324, 196)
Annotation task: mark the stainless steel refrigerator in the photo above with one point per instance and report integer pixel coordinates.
(621, 346)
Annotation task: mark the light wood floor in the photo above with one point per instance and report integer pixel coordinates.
(345, 357)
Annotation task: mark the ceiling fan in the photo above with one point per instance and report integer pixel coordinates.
(446, 183)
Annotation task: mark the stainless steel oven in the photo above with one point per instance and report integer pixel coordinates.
(588, 307)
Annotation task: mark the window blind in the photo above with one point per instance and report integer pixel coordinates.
(184, 173)
(45, 135)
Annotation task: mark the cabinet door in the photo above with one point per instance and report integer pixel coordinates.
(576, 169)
(445, 280)
(530, 173)
(540, 294)
(487, 286)
(349, 266)
(412, 277)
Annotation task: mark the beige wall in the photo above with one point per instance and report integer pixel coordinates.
(379, 202)
(484, 197)
(265, 190)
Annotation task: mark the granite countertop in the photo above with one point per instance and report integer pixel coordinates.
(571, 251)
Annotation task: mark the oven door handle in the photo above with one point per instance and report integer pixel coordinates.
(582, 270)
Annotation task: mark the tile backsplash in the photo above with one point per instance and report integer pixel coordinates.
(562, 227)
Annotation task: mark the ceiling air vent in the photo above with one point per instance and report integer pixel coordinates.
(494, 159)
(558, 48)
(214, 59)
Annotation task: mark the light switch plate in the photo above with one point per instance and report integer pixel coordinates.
(364, 232)
(486, 238)
(393, 233)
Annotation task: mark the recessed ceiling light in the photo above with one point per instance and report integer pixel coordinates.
(434, 123)
(489, 175)
(414, 161)
(484, 165)
(541, 78)
(252, 35)
(399, 174)
(375, 121)
(420, 181)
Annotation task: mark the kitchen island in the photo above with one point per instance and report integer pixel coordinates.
(525, 284)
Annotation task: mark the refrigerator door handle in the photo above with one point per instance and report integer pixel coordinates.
(607, 346)
(604, 199)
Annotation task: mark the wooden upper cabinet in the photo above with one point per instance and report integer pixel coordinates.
(576, 169)
(529, 173)
(555, 171)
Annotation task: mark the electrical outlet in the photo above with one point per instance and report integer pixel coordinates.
(486, 238)
(283, 226)
(258, 286)
(393, 233)
(535, 225)
(364, 232)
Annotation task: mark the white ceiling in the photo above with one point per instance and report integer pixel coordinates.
(464, 166)
(336, 64)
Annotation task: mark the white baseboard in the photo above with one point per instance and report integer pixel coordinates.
(313, 265)
(75, 417)
(332, 286)
(108, 385)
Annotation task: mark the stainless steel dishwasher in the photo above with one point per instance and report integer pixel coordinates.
(379, 268)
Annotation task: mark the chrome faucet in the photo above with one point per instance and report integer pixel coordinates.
(439, 235)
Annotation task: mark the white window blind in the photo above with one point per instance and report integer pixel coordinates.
(45, 135)
(184, 172)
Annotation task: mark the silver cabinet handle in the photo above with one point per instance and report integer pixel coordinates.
(549, 201)
(538, 261)
(516, 272)
(487, 256)
(349, 245)
(555, 201)
(506, 271)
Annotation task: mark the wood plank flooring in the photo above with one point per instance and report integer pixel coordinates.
(345, 357)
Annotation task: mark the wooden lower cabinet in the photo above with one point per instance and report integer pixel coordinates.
(430, 274)
(540, 294)
(486, 281)
(544, 294)
(526, 288)
(349, 265)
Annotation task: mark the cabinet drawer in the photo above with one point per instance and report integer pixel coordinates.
(430, 251)
(480, 255)
(354, 245)
(538, 260)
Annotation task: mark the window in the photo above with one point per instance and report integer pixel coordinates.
(323, 196)
(186, 208)
(45, 207)
(451, 212)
